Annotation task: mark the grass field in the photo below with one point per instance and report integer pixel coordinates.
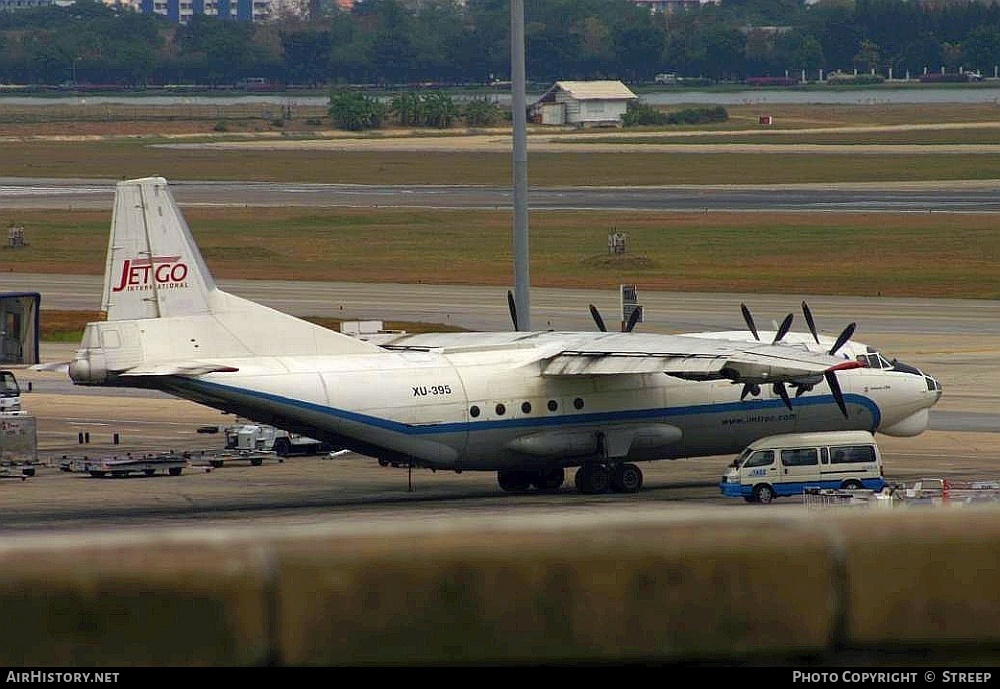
(887, 254)
(122, 141)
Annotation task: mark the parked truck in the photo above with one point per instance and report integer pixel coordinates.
(257, 437)
(10, 394)
(18, 430)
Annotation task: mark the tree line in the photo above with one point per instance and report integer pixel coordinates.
(392, 42)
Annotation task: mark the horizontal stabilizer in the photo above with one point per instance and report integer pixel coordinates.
(179, 369)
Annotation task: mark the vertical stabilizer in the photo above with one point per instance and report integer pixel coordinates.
(154, 268)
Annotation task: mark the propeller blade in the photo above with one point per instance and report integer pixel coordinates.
(512, 307)
(749, 321)
(633, 319)
(749, 389)
(597, 319)
(809, 321)
(843, 338)
(783, 330)
(838, 395)
(802, 389)
(779, 389)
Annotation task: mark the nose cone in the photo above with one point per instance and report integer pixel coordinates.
(916, 422)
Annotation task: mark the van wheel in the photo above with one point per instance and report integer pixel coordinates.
(763, 494)
(851, 485)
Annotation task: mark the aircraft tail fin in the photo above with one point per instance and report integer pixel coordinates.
(154, 268)
(165, 314)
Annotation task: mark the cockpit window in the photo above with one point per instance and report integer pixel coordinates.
(875, 360)
(760, 458)
(8, 385)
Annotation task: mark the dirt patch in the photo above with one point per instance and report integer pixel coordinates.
(615, 262)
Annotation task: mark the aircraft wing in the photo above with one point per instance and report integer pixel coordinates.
(691, 359)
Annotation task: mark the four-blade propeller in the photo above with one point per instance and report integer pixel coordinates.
(627, 328)
(803, 386)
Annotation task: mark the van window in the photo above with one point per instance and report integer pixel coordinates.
(800, 457)
(851, 454)
(760, 458)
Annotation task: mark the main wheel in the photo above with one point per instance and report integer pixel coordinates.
(282, 447)
(550, 480)
(593, 479)
(627, 478)
(149, 472)
(256, 461)
(851, 485)
(514, 481)
(174, 471)
(763, 494)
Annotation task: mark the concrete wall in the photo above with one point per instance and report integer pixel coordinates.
(775, 585)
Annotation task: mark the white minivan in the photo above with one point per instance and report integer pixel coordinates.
(788, 464)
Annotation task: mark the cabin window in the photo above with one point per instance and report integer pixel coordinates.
(553, 405)
(852, 454)
(578, 403)
(806, 456)
(501, 410)
(526, 407)
(473, 411)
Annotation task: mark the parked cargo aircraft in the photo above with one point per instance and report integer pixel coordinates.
(528, 405)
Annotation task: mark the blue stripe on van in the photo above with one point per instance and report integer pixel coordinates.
(738, 490)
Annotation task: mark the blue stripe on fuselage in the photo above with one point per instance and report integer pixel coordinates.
(536, 422)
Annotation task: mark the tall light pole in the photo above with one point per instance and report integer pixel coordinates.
(522, 282)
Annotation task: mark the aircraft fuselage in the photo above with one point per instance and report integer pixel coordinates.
(490, 411)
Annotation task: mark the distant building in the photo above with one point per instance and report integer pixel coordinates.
(583, 104)
(181, 11)
(668, 6)
(22, 4)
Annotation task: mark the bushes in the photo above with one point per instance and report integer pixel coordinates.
(354, 111)
(699, 115)
(637, 114)
(643, 114)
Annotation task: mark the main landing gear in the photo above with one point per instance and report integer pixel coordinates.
(546, 481)
(602, 478)
(590, 479)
